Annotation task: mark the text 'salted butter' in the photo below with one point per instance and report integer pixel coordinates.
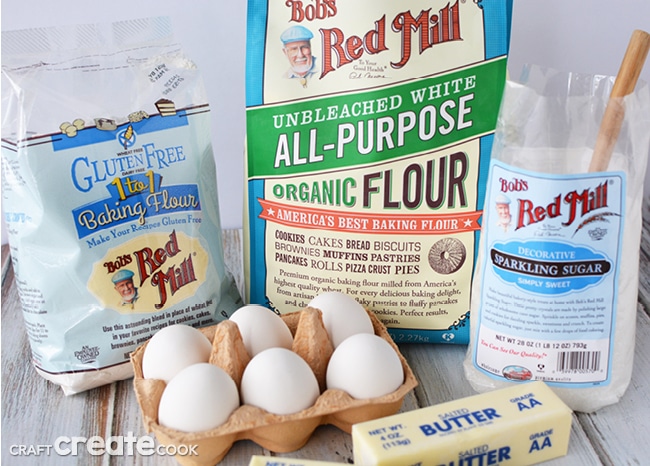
(521, 425)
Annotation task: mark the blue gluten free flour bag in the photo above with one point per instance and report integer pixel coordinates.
(369, 129)
(109, 192)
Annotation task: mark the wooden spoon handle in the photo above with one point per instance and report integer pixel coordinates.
(626, 79)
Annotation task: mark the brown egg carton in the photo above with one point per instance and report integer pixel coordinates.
(278, 433)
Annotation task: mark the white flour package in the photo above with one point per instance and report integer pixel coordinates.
(109, 192)
(555, 296)
(369, 128)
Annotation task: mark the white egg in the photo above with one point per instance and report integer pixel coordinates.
(172, 349)
(261, 328)
(279, 381)
(365, 366)
(200, 397)
(342, 315)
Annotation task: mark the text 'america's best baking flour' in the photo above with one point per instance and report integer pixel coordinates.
(369, 128)
(109, 190)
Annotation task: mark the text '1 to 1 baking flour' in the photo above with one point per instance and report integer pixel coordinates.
(555, 295)
(109, 192)
(369, 128)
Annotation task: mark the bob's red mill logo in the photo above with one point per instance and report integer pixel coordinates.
(153, 265)
(572, 206)
(422, 30)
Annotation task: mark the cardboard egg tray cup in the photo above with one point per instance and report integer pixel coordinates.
(278, 433)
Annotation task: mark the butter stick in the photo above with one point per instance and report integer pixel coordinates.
(519, 425)
(258, 460)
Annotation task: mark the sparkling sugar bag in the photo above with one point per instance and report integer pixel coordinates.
(555, 295)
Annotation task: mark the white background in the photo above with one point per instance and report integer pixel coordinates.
(586, 36)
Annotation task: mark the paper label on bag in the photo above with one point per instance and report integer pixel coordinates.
(549, 285)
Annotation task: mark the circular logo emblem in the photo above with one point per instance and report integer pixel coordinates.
(447, 256)
(126, 138)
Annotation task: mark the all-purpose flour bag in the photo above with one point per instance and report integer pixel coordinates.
(109, 191)
(369, 128)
